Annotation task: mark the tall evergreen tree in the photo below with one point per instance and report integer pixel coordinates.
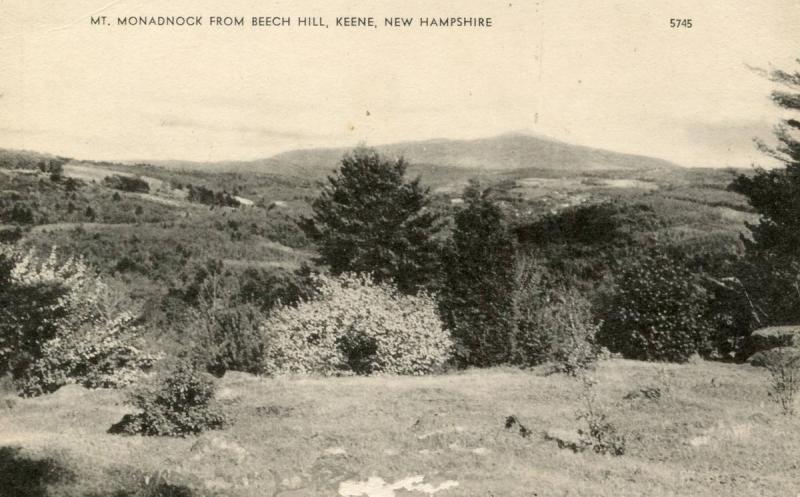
(477, 297)
(370, 219)
(772, 269)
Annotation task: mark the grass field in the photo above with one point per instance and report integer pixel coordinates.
(713, 431)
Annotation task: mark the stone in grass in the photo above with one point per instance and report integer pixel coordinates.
(766, 357)
(219, 449)
(774, 336)
(565, 439)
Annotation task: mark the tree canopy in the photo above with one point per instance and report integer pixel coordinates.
(775, 193)
(370, 219)
(477, 301)
(771, 269)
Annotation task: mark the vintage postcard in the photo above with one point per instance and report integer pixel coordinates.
(382, 249)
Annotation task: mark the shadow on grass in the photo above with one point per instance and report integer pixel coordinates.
(22, 476)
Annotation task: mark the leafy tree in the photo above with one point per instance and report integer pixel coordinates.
(477, 297)
(658, 312)
(771, 273)
(60, 323)
(29, 316)
(370, 219)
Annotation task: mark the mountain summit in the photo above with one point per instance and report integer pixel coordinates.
(507, 152)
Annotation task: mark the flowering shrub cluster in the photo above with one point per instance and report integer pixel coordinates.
(355, 325)
(62, 324)
(98, 356)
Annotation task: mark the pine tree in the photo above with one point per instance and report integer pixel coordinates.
(775, 194)
(370, 219)
(477, 297)
(772, 265)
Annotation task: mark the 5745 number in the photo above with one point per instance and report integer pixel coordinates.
(680, 23)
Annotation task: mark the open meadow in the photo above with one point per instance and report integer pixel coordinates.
(700, 429)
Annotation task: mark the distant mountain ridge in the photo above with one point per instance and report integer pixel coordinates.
(496, 154)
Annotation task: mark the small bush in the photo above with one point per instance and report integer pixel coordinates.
(355, 325)
(599, 434)
(177, 403)
(784, 371)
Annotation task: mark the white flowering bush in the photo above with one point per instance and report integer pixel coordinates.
(60, 323)
(103, 355)
(356, 326)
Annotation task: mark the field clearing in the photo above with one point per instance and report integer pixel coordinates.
(97, 174)
(171, 202)
(712, 432)
(247, 264)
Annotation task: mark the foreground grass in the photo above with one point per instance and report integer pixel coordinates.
(712, 432)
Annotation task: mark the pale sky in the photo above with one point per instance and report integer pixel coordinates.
(609, 74)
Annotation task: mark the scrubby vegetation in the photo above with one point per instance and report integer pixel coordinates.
(784, 369)
(598, 433)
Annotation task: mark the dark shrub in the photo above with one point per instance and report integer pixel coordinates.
(18, 214)
(178, 402)
(658, 311)
(10, 236)
(126, 183)
(207, 196)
